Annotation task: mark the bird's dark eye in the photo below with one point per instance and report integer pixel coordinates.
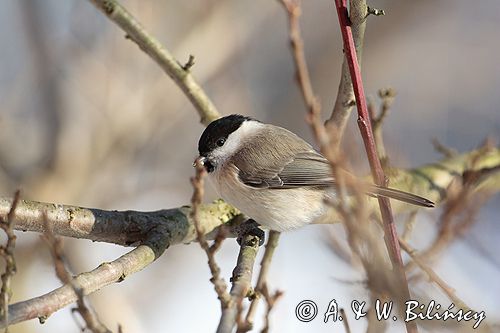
(220, 142)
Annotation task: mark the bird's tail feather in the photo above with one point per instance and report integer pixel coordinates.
(401, 196)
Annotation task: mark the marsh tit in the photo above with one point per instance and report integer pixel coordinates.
(272, 175)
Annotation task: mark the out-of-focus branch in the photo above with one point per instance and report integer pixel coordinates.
(449, 291)
(150, 45)
(7, 224)
(462, 205)
(242, 283)
(313, 106)
(345, 322)
(46, 74)
(107, 273)
(345, 100)
(93, 323)
(441, 148)
(271, 300)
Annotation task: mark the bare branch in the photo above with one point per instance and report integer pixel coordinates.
(375, 11)
(345, 322)
(271, 245)
(56, 249)
(449, 291)
(313, 106)
(441, 148)
(107, 273)
(409, 225)
(151, 46)
(128, 228)
(387, 96)
(219, 283)
(10, 264)
(270, 302)
(458, 215)
(190, 63)
(242, 282)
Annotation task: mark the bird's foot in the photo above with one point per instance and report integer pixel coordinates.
(250, 228)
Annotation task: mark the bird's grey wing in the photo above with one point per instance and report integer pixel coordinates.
(287, 162)
(290, 162)
(303, 169)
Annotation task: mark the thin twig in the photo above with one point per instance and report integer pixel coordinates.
(311, 101)
(56, 249)
(409, 225)
(441, 148)
(271, 245)
(345, 321)
(462, 205)
(387, 96)
(459, 214)
(7, 226)
(241, 283)
(198, 191)
(190, 63)
(375, 11)
(270, 302)
(151, 46)
(433, 276)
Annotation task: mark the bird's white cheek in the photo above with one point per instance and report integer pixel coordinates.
(235, 141)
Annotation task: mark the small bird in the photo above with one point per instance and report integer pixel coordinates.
(271, 174)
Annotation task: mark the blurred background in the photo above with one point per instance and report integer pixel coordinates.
(86, 118)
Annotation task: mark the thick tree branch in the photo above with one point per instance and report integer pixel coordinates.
(150, 45)
(107, 273)
(128, 228)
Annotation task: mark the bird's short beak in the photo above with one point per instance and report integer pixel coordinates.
(200, 160)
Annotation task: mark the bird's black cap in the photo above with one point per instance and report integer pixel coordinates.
(219, 129)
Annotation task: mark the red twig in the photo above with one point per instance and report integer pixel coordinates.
(364, 124)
